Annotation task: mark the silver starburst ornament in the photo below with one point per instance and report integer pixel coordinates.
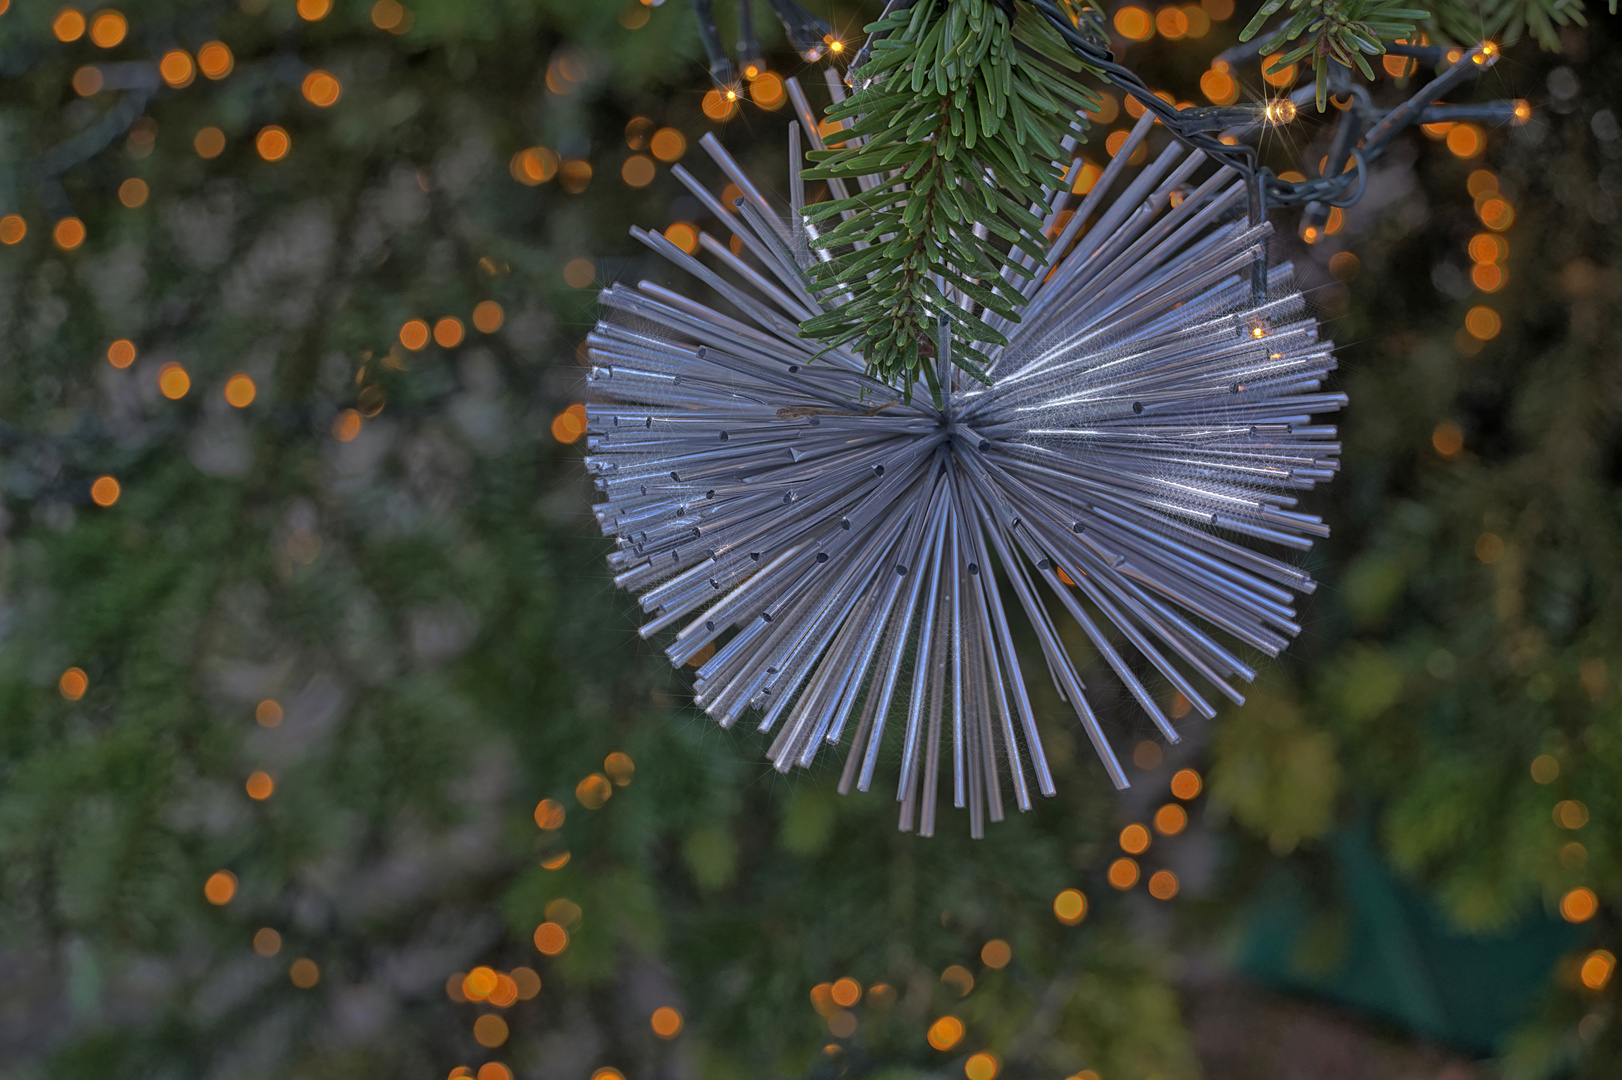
(862, 560)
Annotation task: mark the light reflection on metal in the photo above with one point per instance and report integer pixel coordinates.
(855, 556)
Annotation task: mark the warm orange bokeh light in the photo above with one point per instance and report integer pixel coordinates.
(414, 334)
(1481, 183)
(448, 332)
(260, 786)
(69, 233)
(1219, 87)
(527, 982)
(981, 1066)
(718, 106)
(1134, 23)
(304, 972)
(133, 192)
(1163, 885)
(555, 862)
(176, 68)
(105, 491)
(487, 316)
(215, 60)
(493, 1070)
(551, 939)
(996, 953)
(684, 236)
(1123, 873)
(173, 382)
(87, 80)
(312, 10)
(12, 229)
(619, 767)
(1171, 23)
(563, 911)
(1496, 213)
(570, 424)
(1579, 905)
(822, 999)
(490, 1031)
(346, 426)
(1487, 277)
(121, 353)
(1281, 78)
(73, 684)
(665, 1021)
(1448, 438)
(638, 171)
(1186, 784)
(549, 814)
(68, 25)
(767, 91)
(535, 165)
(268, 713)
(1488, 248)
(1483, 322)
(273, 142)
(388, 14)
(1086, 177)
(579, 273)
(1070, 906)
(321, 89)
(220, 887)
(1134, 839)
(240, 391)
(479, 983)
(209, 143)
(267, 942)
(593, 791)
(1570, 814)
(505, 992)
(1465, 141)
(845, 992)
(1597, 968)
(1545, 768)
(1170, 820)
(945, 1033)
(108, 28)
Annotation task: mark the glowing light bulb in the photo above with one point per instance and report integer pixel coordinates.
(1523, 110)
(835, 46)
(1489, 50)
(1281, 111)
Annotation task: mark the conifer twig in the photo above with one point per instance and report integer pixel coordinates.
(962, 119)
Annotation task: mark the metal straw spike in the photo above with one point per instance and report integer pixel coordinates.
(840, 557)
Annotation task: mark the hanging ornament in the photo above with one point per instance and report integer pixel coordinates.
(850, 563)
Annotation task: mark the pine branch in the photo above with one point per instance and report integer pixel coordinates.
(1347, 31)
(964, 122)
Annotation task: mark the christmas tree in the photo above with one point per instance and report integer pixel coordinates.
(330, 749)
